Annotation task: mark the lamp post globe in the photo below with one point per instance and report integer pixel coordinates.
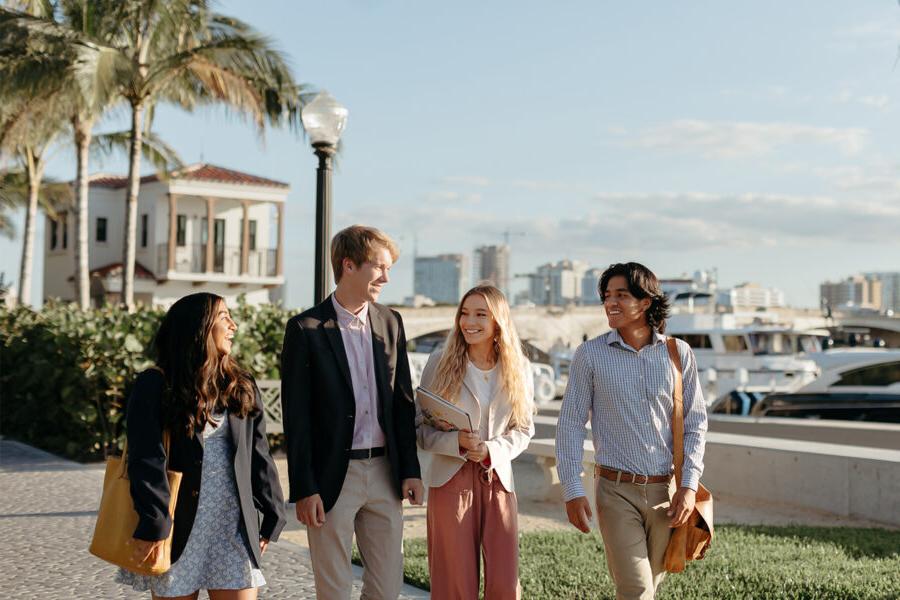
(324, 119)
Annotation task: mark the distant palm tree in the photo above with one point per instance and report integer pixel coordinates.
(47, 50)
(180, 51)
(27, 131)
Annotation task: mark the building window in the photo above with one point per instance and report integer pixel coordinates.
(101, 229)
(144, 228)
(696, 341)
(64, 217)
(252, 236)
(181, 232)
(54, 233)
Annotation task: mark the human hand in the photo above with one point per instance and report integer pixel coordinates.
(478, 454)
(414, 491)
(263, 545)
(310, 511)
(146, 551)
(681, 507)
(579, 512)
(469, 440)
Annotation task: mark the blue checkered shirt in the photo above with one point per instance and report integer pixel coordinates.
(627, 394)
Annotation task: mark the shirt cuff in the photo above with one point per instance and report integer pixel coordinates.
(690, 479)
(572, 489)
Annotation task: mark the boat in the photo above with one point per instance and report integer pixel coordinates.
(756, 358)
(866, 389)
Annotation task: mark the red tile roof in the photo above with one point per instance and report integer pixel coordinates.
(198, 172)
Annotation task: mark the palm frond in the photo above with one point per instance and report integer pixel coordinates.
(161, 155)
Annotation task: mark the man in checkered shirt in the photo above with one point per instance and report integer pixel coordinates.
(623, 382)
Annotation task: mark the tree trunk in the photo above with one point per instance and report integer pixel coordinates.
(82, 129)
(34, 168)
(134, 182)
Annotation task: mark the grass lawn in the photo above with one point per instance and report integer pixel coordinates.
(745, 562)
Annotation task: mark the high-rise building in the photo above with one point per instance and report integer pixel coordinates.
(442, 278)
(491, 263)
(890, 289)
(558, 284)
(589, 284)
(855, 292)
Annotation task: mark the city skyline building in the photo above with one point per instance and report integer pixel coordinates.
(856, 292)
(890, 289)
(590, 295)
(557, 284)
(491, 263)
(442, 278)
(751, 296)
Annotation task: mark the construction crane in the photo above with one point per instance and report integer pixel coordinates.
(507, 233)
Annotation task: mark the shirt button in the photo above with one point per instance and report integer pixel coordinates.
(195, 493)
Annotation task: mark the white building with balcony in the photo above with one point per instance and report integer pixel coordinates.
(205, 228)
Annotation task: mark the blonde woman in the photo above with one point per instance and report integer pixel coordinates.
(472, 506)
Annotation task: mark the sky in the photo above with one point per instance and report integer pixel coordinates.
(757, 138)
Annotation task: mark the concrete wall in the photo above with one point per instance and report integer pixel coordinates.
(850, 481)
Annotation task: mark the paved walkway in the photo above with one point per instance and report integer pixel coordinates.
(47, 511)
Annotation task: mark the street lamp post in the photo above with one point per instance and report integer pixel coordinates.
(324, 119)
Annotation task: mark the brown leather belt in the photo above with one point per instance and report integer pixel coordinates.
(624, 477)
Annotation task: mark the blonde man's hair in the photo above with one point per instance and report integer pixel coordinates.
(359, 243)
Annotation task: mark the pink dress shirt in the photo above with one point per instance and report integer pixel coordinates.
(356, 334)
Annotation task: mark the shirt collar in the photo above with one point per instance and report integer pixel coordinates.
(347, 318)
(614, 338)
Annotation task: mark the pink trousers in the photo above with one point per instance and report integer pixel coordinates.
(471, 516)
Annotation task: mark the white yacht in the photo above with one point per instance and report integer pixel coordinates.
(756, 357)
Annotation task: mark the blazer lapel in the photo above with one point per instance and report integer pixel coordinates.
(236, 425)
(380, 357)
(333, 332)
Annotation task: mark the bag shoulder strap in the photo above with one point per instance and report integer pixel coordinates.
(677, 411)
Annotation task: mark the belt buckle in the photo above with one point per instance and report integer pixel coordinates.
(635, 481)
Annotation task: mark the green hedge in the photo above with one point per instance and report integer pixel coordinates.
(818, 563)
(65, 374)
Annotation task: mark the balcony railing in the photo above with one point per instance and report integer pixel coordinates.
(191, 258)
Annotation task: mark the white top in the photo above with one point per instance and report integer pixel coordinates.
(483, 385)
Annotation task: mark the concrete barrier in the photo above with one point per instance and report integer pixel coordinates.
(851, 481)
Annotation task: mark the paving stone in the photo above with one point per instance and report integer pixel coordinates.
(47, 510)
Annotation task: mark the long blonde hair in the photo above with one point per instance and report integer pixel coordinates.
(507, 350)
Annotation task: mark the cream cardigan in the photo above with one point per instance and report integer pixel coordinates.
(504, 443)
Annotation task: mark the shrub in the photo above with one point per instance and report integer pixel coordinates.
(65, 374)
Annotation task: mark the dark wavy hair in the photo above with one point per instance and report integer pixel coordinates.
(642, 283)
(200, 379)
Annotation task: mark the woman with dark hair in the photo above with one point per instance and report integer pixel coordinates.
(229, 504)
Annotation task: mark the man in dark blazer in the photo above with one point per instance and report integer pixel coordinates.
(349, 422)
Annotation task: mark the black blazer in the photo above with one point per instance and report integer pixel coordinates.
(257, 480)
(319, 409)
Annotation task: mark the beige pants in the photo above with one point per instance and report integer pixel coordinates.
(635, 530)
(369, 506)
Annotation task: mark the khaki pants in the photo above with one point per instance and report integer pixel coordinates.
(369, 506)
(635, 531)
(471, 516)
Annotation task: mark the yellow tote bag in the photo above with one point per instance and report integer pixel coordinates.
(117, 519)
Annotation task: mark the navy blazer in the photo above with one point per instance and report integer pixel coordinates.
(255, 475)
(319, 408)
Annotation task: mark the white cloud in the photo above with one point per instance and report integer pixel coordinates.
(743, 139)
(473, 180)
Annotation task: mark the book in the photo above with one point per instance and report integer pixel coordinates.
(441, 414)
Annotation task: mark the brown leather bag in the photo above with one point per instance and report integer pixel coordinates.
(691, 540)
(117, 519)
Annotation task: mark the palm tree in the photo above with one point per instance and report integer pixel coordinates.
(28, 128)
(182, 52)
(48, 50)
(177, 51)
